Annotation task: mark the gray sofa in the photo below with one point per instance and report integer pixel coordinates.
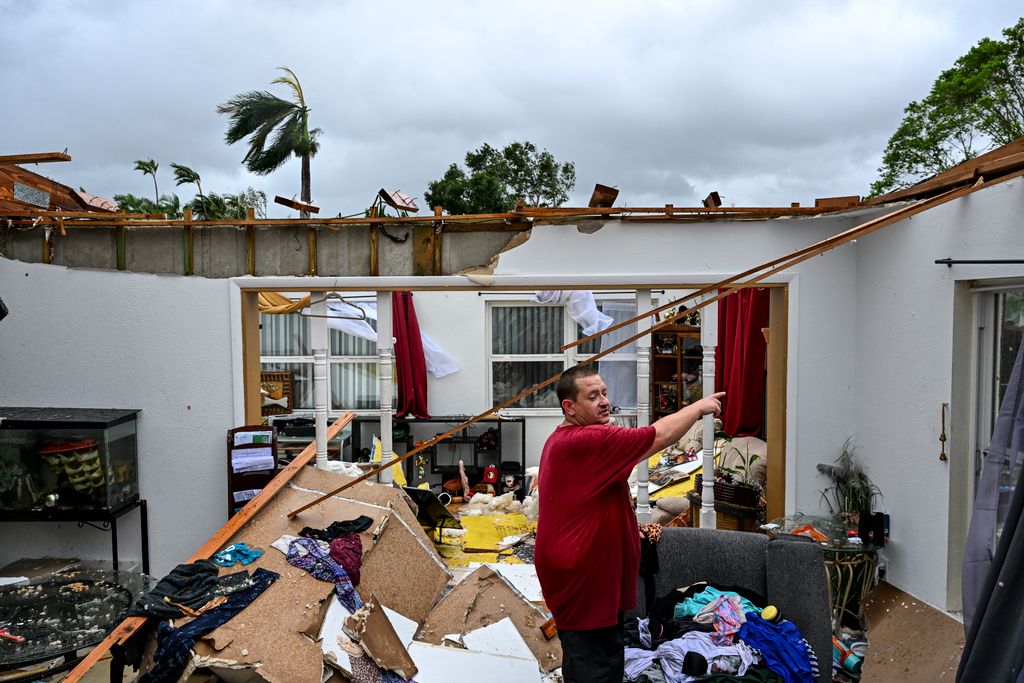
(788, 571)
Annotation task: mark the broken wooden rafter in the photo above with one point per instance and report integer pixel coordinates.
(38, 158)
(129, 626)
(296, 204)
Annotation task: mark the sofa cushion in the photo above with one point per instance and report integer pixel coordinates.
(729, 558)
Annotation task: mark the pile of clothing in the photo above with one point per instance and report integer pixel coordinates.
(719, 634)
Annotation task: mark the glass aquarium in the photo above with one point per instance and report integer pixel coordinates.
(68, 459)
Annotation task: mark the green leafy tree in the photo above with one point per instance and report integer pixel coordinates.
(497, 179)
(229, 206)
(974, 106)
(148, 167)
(183, 175)
(129, 203)
(168, 205)
(257, 114)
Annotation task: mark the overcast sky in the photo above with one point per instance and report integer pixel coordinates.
(766, 102)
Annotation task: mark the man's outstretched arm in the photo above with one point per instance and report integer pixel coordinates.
(671, 428)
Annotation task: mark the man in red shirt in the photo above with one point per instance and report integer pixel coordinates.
(588, 543)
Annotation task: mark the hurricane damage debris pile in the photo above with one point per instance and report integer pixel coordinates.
(350, 589)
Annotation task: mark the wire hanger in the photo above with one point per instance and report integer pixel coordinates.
(334, 296)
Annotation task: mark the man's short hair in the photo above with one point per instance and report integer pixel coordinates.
(566, 387)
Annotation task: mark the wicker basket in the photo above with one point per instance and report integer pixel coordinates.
(731, 517)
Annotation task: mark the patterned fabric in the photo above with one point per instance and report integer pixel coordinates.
(725, 613)
(174, 646)
(691, 606)
(815, 671)
(315, 557)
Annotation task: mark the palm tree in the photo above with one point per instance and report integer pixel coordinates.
(148, 167)
(183, 175)
(256, 114)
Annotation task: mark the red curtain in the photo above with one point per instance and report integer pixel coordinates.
(740, 360)
(410, 368)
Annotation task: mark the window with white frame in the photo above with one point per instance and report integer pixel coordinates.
(523, 344)
(286, 346)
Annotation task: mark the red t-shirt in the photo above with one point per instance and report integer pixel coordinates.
(588, 544)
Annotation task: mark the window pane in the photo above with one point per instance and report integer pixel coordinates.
(354, 386)
(620, 377)
(510, 378)
(526, 329)
(345, 344)
(302, 381)
(618, 311)
(284, 335)
(1011, 331)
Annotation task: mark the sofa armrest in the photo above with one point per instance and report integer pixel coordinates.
(798, 586)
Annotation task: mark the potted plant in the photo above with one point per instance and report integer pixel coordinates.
(737, 484)
(851, 492)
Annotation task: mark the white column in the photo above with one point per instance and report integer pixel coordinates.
(708, 340)
(643, 398)
(321, 386)
(385, 374)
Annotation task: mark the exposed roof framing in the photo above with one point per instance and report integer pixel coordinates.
(38, 158)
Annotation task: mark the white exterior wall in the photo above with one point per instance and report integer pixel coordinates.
(904, 358)
(100, 339)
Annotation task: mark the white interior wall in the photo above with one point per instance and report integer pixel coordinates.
(904, 357)
(457, 321)
(822, 302)
(101, 339)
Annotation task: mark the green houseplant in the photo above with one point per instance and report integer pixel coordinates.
(851, 491)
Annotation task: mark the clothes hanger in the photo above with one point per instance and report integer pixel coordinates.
(334, 296)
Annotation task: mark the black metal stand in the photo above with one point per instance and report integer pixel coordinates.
(82, 516)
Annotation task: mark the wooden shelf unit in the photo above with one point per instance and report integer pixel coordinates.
(676, 358)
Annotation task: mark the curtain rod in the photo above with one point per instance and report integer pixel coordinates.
(949, 262)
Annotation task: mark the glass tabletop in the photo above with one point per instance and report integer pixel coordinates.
(61, 613)
(827, 531)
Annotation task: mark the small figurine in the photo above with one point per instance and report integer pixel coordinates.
(509, 482)
(489, 480)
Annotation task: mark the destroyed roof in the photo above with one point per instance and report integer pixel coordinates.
(22, 190)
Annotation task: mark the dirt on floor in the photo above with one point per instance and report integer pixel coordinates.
(909, 641)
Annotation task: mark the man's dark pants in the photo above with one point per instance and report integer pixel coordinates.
(594, 655)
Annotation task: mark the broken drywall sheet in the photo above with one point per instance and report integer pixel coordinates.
(484, 598)
(501, 638)
(367, 492)
(403, 574)
(439, 664)
(523, 577)
(272, 630)
(371, 628)
(333, 626)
